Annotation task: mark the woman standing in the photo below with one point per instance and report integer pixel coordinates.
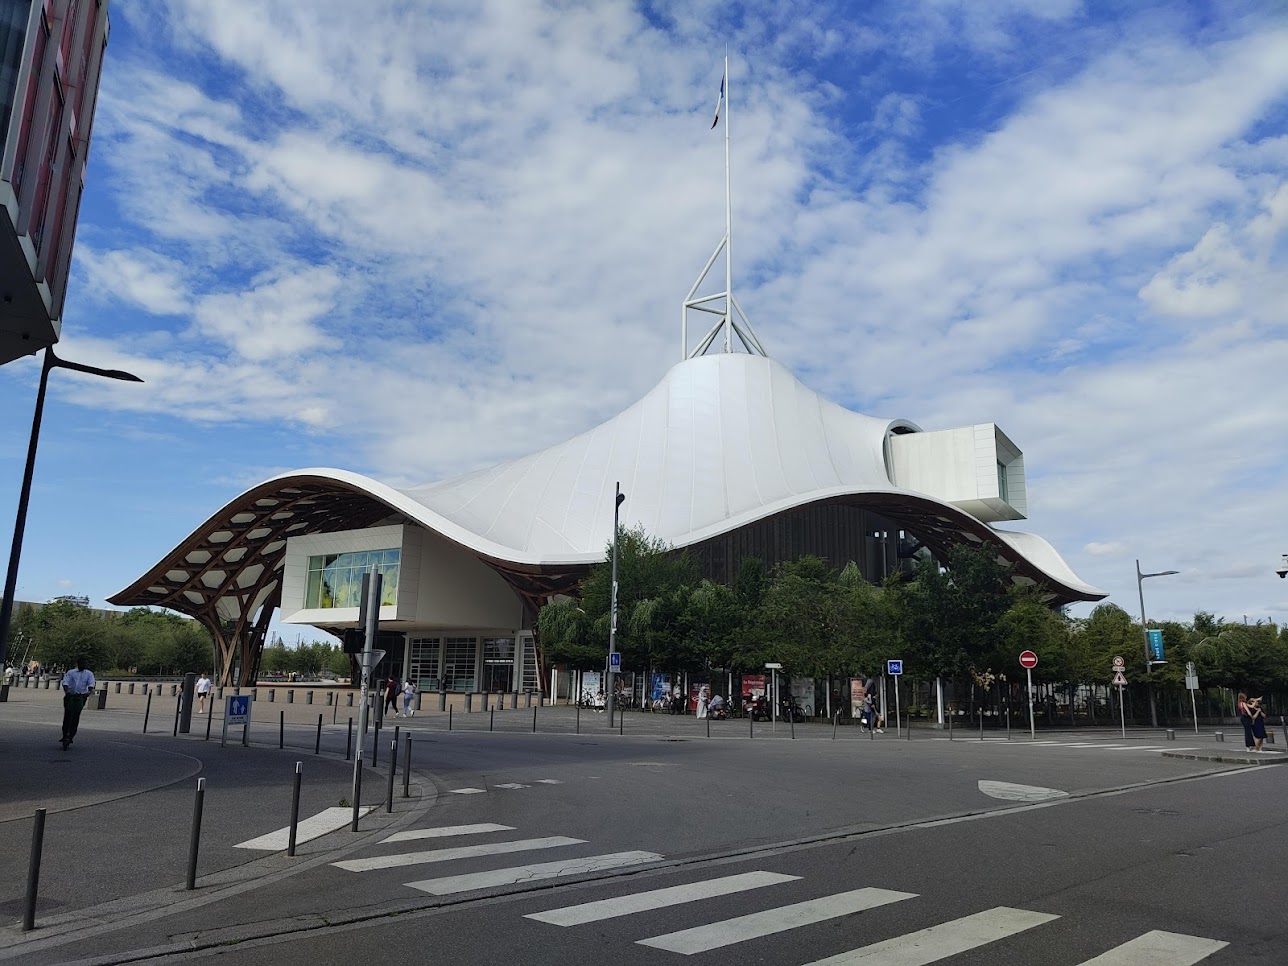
(1258, 723)
(1245, 719)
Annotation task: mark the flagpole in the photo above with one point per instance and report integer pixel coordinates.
(728, 334)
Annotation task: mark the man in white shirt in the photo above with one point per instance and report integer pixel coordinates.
(78, 684)
(203, 689)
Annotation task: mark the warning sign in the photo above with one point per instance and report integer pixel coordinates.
(1119, 679)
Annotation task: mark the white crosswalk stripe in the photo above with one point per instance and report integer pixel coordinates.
(468, 791)
(460, 852)
(757, 924)
(452, 884)
(511, 785)
(1159, 949)
(446, 831)
(939, 942)
(659, 898)
(315, 826)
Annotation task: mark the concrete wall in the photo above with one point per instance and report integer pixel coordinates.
(959, 466)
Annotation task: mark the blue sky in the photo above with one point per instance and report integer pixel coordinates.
(411, 239)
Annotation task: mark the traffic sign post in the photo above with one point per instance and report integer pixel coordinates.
(1192, 685)
(895, 668)
(1028, 661)
(236, 711)
(615, 661)
(1120, 682)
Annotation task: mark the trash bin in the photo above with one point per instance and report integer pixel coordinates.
(100, 700)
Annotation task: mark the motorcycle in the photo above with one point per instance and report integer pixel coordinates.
(756, 708)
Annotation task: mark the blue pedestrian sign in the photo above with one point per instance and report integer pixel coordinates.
(1156, 645)
(894, 667)
(614, 661)
(238, 709)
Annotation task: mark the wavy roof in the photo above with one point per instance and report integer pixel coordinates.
(722, 441)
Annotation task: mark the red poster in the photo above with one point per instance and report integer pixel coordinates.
(753, 684)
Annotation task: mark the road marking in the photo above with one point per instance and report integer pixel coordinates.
(315, 826)
(511, 785)
(1138, 748)
(549, 781)
(757, 924)
(659, 898)
(1019, 793)
(467, 791)
(445, 831)
(460, 852)
(1159, 949)
(452, 884)
(940, 942)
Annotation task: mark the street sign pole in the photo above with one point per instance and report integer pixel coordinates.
(369, 618)
(1192, 685)
(1122, 713)
(1033, 731)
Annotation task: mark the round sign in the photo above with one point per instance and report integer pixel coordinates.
(1119, 662)
(1028, 659)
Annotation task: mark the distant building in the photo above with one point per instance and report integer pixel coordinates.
(72, 599)
(51, 56)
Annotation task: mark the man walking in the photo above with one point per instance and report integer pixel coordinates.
(77, 685)
(203, 689)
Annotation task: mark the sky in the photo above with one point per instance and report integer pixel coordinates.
(413, 238)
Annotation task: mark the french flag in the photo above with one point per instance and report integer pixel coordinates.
(719, 103)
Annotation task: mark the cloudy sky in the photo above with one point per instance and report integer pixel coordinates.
(414, 238)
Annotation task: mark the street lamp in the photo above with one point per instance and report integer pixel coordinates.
(1144, 630)
(11, 578)
(612, 611)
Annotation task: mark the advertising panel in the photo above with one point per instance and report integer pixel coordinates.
(858, 694)
(753, 684)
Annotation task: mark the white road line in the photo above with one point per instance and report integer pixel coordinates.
(511, 785)
(549, 781)
(460, 852)
(446, 831)
(940, 942)
(757, 924)
(452, 884)
(315, 826)
(1159, 949)
(1139, 748)
(467, 791)
(659, 898)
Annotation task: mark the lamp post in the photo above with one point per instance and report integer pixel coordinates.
(24, 496)
(612, 611)
(1144, 630)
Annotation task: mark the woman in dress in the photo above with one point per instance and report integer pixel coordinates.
(1258, 723)
(1245, 719)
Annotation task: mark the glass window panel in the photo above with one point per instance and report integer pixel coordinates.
(313, 591)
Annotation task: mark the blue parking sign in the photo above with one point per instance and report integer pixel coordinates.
(894, 667)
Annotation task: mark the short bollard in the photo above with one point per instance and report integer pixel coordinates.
(210, 714)
(578, 729)
(33, 871)
(348, 742)
(1171, 734)
(357, 791)
(836, 718)
(949, 716)
(290, 697)
(469, 702)
(491, 718)
(407, 769)
(442, 700)
(147, 710)
(317, 745)
(131, 687)
(621, 723)
(393, 764)
(751, 724)
(194, 839)
(534, 719)
(449, 719)
(178, 705)
(350, 701)
(397, 729)
(281, 729)
(708, 726)
(872, 729)
(791, 720)
(981, 724)
(295, 808)
(1219, 736)
(375, 746)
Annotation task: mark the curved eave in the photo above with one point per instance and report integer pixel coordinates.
(220, 557)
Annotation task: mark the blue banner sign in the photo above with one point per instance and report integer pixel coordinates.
(1156, 645)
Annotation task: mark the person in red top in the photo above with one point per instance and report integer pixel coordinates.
(391, 695)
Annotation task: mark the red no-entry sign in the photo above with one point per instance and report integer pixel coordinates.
(1028, 659)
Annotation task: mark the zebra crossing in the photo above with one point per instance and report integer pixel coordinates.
(934, 943)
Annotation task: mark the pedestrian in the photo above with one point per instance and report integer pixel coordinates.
(391, 696)
(704, 695)
(1258, 717)
(203, 689)
(77, 685)
(409, 695)
(1245, 719)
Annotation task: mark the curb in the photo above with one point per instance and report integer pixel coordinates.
(1265, 758)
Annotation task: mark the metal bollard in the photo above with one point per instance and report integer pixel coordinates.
(357, 791)
(469, 702)
(442, 700)
(33, 871)
(118, 687)
(491, 718)
(534, 719)
(791, 720)
(1171, 734)
(621, 723)
(194, 838)
(375, 746)
(272, 694)
(147, 711)
(178, 705)
(317, 745)
(348, 742)
(751, 725)
(949, 716)
(708, 726)
(131, 687)
(1219, 735)
(210, 714)
(835, 720)
(281, 729)
(578, 719)
(981, 724)
(350, 704)
(295, 808)
(407, 769)
(393, 765)
(449, 719)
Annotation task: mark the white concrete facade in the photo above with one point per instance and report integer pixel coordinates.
(976, 468)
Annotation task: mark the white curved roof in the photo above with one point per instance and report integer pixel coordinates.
(722, 441)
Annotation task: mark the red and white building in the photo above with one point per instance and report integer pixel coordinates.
(51, 57)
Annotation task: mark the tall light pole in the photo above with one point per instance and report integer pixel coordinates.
(1144, 630)
(24, 495)
(612, 611)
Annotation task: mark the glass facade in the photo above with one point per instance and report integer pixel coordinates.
(498, 663)
(335, 579)
(424, 662)
(1001, 481)
(459, 655)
